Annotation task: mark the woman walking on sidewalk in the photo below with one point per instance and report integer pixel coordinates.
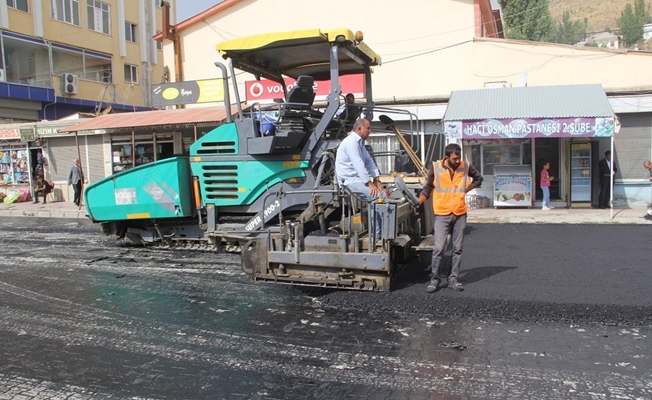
(545, 185)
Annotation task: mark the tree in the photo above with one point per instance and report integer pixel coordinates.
(528, 19)
(631, 22)
(570, 32)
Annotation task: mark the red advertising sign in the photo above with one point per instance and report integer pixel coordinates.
(9, 133)
(265, 91)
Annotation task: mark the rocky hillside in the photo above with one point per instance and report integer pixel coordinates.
(600, 13)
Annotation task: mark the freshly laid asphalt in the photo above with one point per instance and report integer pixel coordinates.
(550, 311)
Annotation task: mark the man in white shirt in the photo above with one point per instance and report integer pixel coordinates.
(356, 170)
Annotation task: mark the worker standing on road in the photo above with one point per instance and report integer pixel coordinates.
(357, 171)
(449, 179)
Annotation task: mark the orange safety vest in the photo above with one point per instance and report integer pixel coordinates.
(449, 194)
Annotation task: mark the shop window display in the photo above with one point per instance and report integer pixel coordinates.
(128, 152)
(144, 153)
(122, 157)
(486, 155)
(14, 167)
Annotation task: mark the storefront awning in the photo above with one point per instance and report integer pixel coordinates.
(151, 119)
(530, 112)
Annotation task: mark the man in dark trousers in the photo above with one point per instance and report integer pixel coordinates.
(75, 178)
(604, 201)
(448, 181)
(41, 188)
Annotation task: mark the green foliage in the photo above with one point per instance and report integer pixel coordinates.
(631, 22)
(570, 32)
(528, 20)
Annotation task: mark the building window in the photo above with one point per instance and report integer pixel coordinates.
(99, 16)
(485, 156)
(131, 34)
(131, 73)
(92, 67)
(159, 43)
(25, 62)
(18, 5)
(66, 11)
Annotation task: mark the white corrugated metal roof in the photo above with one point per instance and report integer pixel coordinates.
(564, 101)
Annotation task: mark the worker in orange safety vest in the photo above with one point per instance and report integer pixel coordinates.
(448, 182)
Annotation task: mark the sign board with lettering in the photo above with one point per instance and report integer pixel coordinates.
(531, 128)
(9, 133)
(189, 92)
(265, 91)
(52, 130)
(513, 186)
(27, 134)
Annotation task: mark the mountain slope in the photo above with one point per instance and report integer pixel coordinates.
(600, 13)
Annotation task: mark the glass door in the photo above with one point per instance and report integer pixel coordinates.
(580, 172)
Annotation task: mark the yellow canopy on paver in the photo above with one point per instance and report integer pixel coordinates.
(295, 53)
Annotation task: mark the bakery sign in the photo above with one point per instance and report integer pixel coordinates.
(512, 192)
(522, 128)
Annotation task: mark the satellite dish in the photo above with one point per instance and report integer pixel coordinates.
(524, 77)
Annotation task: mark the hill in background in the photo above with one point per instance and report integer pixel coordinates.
(600, 13)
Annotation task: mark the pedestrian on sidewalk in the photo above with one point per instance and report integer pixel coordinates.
(606, 177)
(648, 166)
(75, 178)
(449, 180)
(41, 187)
(545, 185)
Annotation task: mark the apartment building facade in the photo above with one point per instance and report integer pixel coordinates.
(65, 57)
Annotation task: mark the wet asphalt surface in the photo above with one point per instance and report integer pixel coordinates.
(549, 312)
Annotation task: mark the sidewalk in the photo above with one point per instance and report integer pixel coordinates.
(635, 215)
(57, 209)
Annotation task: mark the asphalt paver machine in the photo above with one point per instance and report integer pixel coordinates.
(266, 186)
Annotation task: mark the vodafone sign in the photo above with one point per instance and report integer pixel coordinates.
(265, 91)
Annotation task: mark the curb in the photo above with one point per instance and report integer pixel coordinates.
(44, 214)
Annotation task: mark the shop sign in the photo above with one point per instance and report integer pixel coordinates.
(9, 133)
(27, 134)
(531, 128)
(188, 92)
(43, 131)
(512, 192)
(265, 91)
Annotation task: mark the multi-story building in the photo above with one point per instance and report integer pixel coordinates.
(63, 57)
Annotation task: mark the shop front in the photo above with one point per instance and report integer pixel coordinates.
(14, 157)
(134, 139)
(517, 129)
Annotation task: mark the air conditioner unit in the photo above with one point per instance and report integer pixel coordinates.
(69, 83)
(2, 75)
